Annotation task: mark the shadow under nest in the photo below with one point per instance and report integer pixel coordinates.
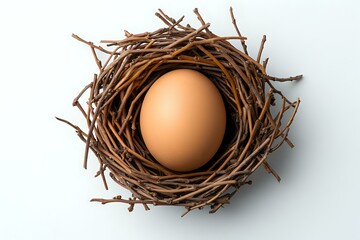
(114, 101)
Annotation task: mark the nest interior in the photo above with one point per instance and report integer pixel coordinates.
(114, 100)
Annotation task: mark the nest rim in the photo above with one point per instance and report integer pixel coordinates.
(114, 103)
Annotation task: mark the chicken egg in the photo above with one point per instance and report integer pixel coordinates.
(183, 120)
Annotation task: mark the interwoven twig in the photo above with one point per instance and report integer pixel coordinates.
(114, 102)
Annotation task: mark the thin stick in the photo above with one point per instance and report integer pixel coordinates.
(238, 31)
(261, 48)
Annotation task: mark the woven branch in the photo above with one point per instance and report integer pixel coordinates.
(114, 102)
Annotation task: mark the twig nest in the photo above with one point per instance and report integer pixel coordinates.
(254, 129)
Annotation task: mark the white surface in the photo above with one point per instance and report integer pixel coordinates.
(45, 192)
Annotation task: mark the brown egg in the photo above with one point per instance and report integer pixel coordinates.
(183, 120)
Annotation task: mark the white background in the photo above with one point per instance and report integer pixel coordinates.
(45, 192)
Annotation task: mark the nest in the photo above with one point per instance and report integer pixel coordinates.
(254, 127)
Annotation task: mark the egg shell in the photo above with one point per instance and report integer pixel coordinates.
(183, 120)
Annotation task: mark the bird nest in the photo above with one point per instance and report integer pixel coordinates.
(255, 128)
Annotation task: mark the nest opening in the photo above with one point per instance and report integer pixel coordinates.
(253, 129)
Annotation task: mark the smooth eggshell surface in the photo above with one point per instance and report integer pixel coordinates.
(183, 120)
